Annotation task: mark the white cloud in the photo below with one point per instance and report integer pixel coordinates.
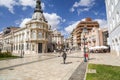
(96, 13)
(72, 9)
(30, 3)
(51, 5)
(70, 28)
(24, 8)
(63, 20)
(53, 19)
(85, 4)
(102, 22)
(24, 21)
(10, 4)
(64, 33)
(43, 5)
(81, 10)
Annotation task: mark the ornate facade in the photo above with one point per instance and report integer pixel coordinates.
(57, 40)
(31, 38)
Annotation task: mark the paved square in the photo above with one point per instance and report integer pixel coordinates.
(40, 68)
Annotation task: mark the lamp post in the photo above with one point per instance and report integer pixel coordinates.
(84, 39)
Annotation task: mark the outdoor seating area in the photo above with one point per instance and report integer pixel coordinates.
(99, 49)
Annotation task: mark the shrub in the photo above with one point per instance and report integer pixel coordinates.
(5, 54)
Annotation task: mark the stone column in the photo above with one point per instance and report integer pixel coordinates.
(36, 48)
(43, 47)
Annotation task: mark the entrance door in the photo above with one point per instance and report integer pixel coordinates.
(39, 47)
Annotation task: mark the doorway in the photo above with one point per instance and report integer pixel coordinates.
(39, 47)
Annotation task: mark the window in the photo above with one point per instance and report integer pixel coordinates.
(46, 35)
(117, 16)
(33, 47)
(113, 42)
(33, 34)
(16, 47)
(19, 47)
(27, 46)
(112, 7)
(39, 35)
(113, 23)
(109, 13)
(22, 46)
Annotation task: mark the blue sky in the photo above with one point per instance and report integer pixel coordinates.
(62, 15)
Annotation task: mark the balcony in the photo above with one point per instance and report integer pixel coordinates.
(36, 39)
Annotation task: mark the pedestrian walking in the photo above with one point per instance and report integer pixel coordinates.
(87, 53)
(64, 55)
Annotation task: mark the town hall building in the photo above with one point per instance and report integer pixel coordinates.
(31, 38)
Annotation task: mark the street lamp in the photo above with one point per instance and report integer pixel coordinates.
(84, 39)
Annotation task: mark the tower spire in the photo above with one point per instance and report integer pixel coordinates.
(38, 6)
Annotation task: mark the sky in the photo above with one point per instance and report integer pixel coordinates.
(62, 15)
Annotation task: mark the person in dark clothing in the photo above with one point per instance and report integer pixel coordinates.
(64, 55)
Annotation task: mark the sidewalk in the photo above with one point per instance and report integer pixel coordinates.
(80, 72)
(45, 67)
(104, 58)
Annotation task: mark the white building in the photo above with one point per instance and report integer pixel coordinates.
(113, 17)
(31, 38)
(69, 42)
(57, 39)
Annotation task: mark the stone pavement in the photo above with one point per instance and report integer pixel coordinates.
(104, 58)
(80, 72)
(44, 67)
(51, 67)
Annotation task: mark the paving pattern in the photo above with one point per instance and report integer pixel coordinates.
(80, 72)
(51, 67)
(39, 68)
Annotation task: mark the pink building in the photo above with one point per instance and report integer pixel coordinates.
(95, 38)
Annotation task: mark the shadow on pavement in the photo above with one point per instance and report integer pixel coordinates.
(9, 67)
(67, 63)
(92, 58)
(74, 57)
